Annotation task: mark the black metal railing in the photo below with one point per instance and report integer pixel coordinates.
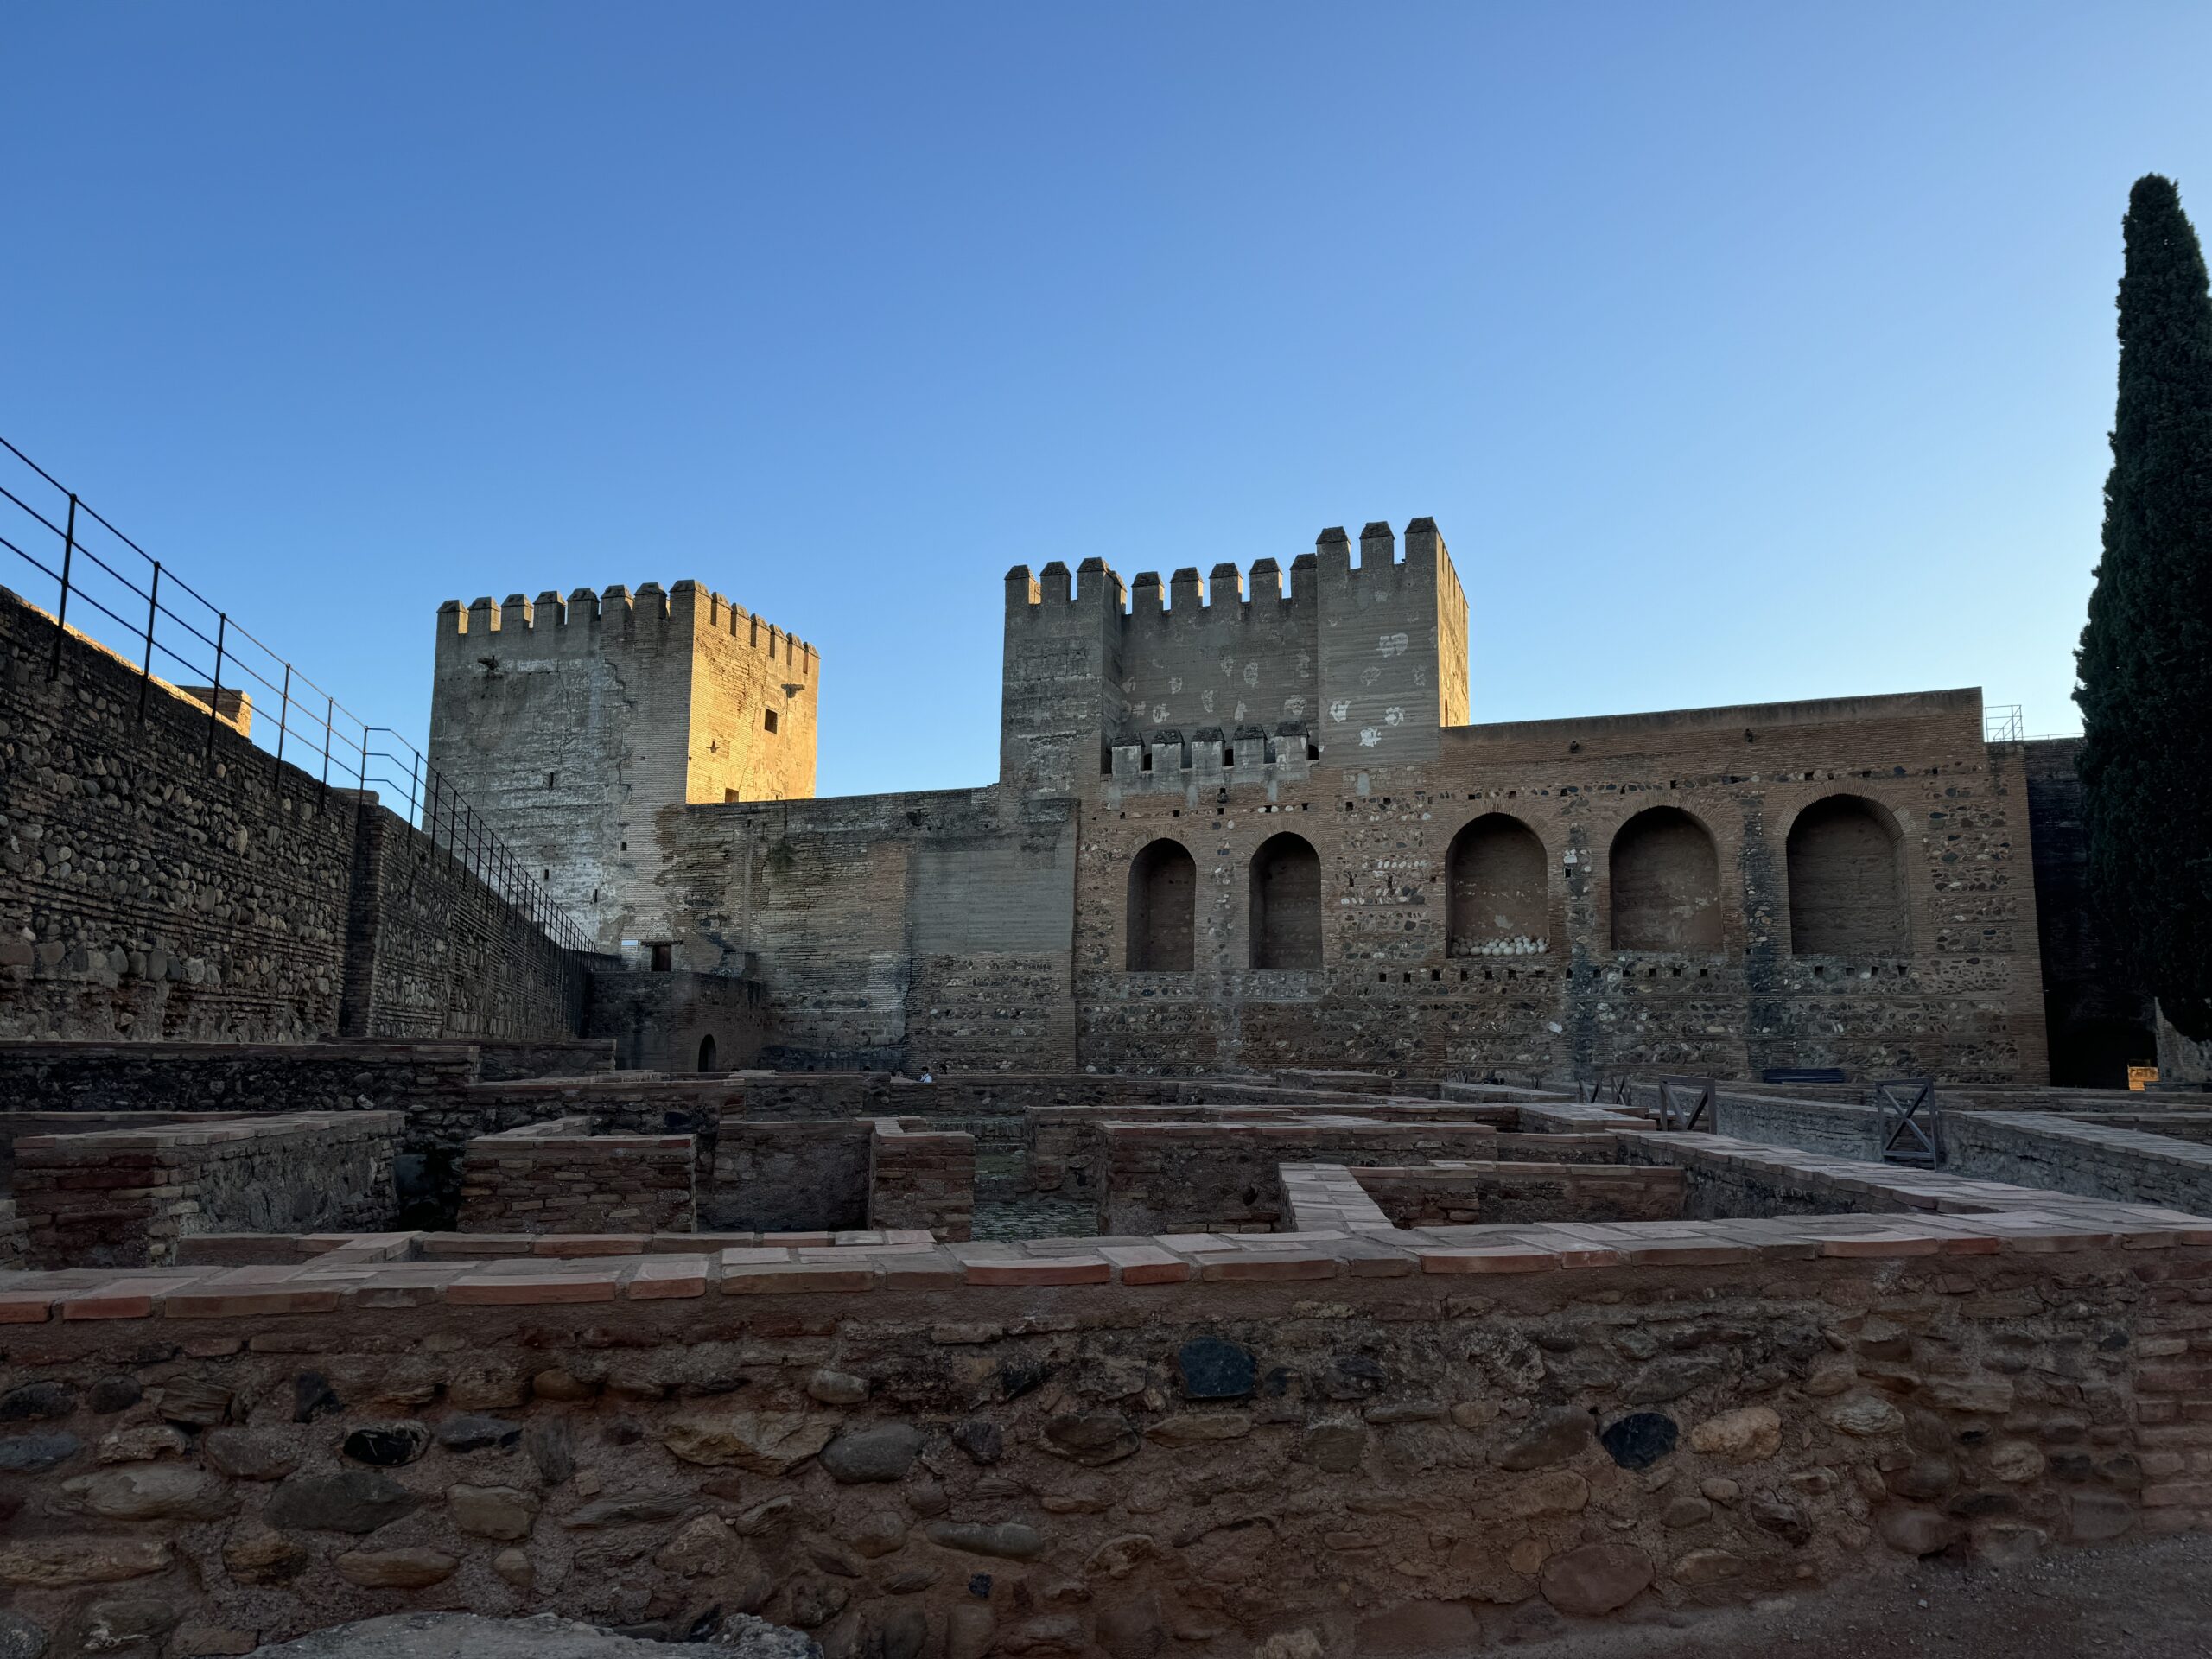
(113, 592)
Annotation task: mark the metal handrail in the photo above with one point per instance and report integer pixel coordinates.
(98, 574)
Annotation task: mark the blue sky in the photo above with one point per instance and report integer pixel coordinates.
(1741, 353)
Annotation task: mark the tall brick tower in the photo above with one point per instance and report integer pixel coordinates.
(570, 723)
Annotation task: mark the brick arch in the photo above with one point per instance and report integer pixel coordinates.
(1665, 882)
(1163, 900)
(1286, 903)
(1847, 890)
(1495, 887)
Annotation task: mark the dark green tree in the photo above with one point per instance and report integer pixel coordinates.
(2146, 662)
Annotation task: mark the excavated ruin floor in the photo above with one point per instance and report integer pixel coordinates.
(2143, 1600)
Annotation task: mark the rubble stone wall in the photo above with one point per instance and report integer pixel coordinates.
(165, 878)
(1242, 1444)
(125, 1198)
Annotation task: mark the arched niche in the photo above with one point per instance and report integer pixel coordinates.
(1163, 894)
(1846, 894)
(1665, 883)
(1497, 896)
(1286, 904)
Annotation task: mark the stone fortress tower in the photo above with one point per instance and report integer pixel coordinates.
(1244, 819)
(1364, 664)
(569, 724)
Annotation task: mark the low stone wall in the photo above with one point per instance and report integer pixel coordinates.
(798, 1177)
(922, 1179)
(16, 1125)
(559, 1178)
(1060, 1146)
(1837, 1130)
(502, 1059)
(435, 1085)
(1176, 1178)
(2095, 1160)
(2191, 1126)
(1454, 1192)
(1393, 1443)
(148, 1076)
(13, 1236)
(124, 1199)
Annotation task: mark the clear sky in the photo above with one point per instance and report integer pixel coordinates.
(1740, 352)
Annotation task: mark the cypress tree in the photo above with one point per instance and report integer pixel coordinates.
(2145, 664)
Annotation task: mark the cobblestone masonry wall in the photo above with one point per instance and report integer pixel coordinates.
(559, 1178)
(1428, 1441)
(428, 1082)
(157, 885)
(846, 907)
(123, 1198)
(431, 952)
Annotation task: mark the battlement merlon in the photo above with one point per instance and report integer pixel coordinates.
(517, 620)
(1227, 588)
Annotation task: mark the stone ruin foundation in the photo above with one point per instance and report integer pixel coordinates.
(1402, 1367)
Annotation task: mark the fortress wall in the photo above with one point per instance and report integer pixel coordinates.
(158, 885)
(1368, 657)
(433, 952)
(1387, 683)
(152, 885)
(891, 931)
(1961, 998)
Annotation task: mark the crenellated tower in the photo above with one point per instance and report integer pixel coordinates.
(568, 724)
(1351, 664)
